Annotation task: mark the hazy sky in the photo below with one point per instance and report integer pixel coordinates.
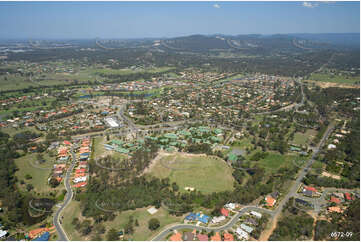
(169, 19)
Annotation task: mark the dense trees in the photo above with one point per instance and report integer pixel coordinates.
(153, 224)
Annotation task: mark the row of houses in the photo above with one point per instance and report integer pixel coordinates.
(81, 172)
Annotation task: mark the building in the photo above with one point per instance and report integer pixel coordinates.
(216, 237)
(334, 209)
(219, 219)
(270, 201)
(188, 236)
(79, 179)
(246, 228)
(3, 233)
(176, 237)
(224, 212)
(256, 214)
(335, 200)
(242, 234)
(228, 237)
(202, 237)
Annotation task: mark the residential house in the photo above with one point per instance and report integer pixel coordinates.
(246, 228)
(270, 201)
(228, 237)
(224, 212)
(188, 236)
(242, 235)
(335, 200)
(334, 209)
(176, 237)
(256, 214)
(216, 237)
(202, 237)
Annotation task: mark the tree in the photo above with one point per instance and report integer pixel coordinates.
(153, 224)
(29, 187)
(28, 177)
(175, 187)
(112, 235)
(53, 182)
(136, 223)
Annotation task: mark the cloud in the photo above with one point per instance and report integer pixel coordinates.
(309, 4)
(216, 6)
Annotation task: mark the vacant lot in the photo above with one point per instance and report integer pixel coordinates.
(304, 138)
(205, 174)
(141, 232)
(334, 78)
(39, 172)
(274, 161)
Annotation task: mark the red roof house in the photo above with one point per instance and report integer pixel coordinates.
(335, 200)
(202, 237)
(310, 189)
(228, 237)
(224, 212)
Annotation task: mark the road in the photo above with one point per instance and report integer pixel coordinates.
(67, 200)
(229, 224)
(274, 214)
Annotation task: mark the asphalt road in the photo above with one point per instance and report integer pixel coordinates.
(69, 195)
(234, 219)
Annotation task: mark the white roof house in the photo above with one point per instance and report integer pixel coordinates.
(258, 215)
(3, 233)
(242, 234)
(331, 146)
(246, 228)
(230, 206)
(216, 220)
(79, 179)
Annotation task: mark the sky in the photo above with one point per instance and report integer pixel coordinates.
(75, 20)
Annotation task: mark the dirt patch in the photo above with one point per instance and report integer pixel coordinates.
(332, 84)
(269, 230)
(337, 177)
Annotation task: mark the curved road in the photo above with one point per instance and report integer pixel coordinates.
(67, 200)
(229, 224)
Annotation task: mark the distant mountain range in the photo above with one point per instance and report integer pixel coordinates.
(265, 43)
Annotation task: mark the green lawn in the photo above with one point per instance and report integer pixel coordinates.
(39, 176)
(334, 78)
(205, 174)
(141, 232)
(304, 138)
(274, 161)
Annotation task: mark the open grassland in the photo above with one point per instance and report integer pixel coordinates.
(28, 165)
(304, 138)
(334, 78)
(70, 212)
(204, 173)
(108, 71)
(141, 232)
(274, 161)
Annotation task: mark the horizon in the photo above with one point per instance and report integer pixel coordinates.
(151, 38)
(142, 20)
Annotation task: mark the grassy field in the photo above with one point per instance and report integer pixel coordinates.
(130, 71)
(141, 232)
(39, 176)
(334, 78)
(70, 212)
(304, 138)
(205, 174)
(274, 161)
